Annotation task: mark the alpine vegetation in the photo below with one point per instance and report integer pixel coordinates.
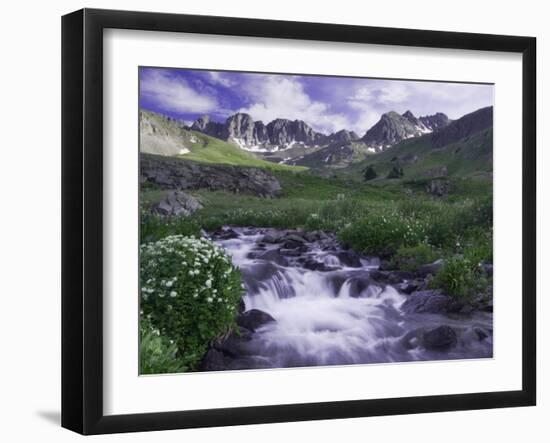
(285, 225)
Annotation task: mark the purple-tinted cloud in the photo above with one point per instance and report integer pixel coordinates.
(328, 104)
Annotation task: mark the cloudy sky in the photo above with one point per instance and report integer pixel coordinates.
(327, 104)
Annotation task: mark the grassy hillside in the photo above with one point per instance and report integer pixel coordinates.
(469, 157)
(212, 150)
(161, 135)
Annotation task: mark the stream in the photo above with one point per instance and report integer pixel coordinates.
(329, 309)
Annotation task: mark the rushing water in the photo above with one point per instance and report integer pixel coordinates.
(338, 315)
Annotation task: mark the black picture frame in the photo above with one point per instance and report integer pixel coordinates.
(82, 218)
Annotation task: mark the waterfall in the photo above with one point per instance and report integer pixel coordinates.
(335, 315)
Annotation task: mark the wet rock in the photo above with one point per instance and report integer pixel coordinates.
(386, 265)
(225, 234)
(487, 306)
(431, 268)
(359, 287)
(396, 277)
(255, 274)
(481, 334)
(294, 237)
(336, 280)
(235, 343)
(290, 243)
(177, 204)
(254, 319)
(487, 268)
(241, 306)
(273, 255)
(349, 258)
(293, 252)
(273, 236)
(214, 360)
(411, 339)
(380, 276)
(414, 285)
(314, 265)
(440, 339)
(429, 301)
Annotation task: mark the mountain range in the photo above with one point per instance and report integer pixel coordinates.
(241, 140)
(281, 134)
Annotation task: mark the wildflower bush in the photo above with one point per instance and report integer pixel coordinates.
(383, 233)
(411, 257)
(460, 277)
(189, 293)
(153, 227)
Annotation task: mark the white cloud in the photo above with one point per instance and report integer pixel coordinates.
(393, 92)
(174, 94)
(220, 79)
(284, 97)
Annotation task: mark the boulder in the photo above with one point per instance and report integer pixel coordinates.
(349, 258)
(438, 187)
(235, 343)
(487, 268)
(362, 287)
(274, 256)
(314, 265)
(225, 234)
(428, 301)
(439, 339)
(254, 319)
(273, 236)
(214, 360)
(177, 204)
(430, 268)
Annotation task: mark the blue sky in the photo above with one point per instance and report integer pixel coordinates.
(327, 104)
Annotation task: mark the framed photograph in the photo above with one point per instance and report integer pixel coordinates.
(270, 221)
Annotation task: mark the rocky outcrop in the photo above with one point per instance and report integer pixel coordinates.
(464, 127)
(393, 127)
(343, 136)
(177, 203)
(242, 130)
(438, 187)
(176, 173)
(435, 122)
(208, 127)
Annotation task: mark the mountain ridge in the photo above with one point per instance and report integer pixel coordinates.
(282, 133)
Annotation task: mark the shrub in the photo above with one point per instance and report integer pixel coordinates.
(189, 292)
(383, 233)
(460, 277)
(396, 172)
(153, 227)
(411, 257)
(157, 354)
(369, 173)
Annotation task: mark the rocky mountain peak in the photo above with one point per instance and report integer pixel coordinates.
(201, 123)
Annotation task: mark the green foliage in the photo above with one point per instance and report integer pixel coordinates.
(411, 257)
(369, 173)
(189, 293)
(460, 277)
(155, 227)
(157, 354)
(383, 233)
(395, 172)
(208, 149)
